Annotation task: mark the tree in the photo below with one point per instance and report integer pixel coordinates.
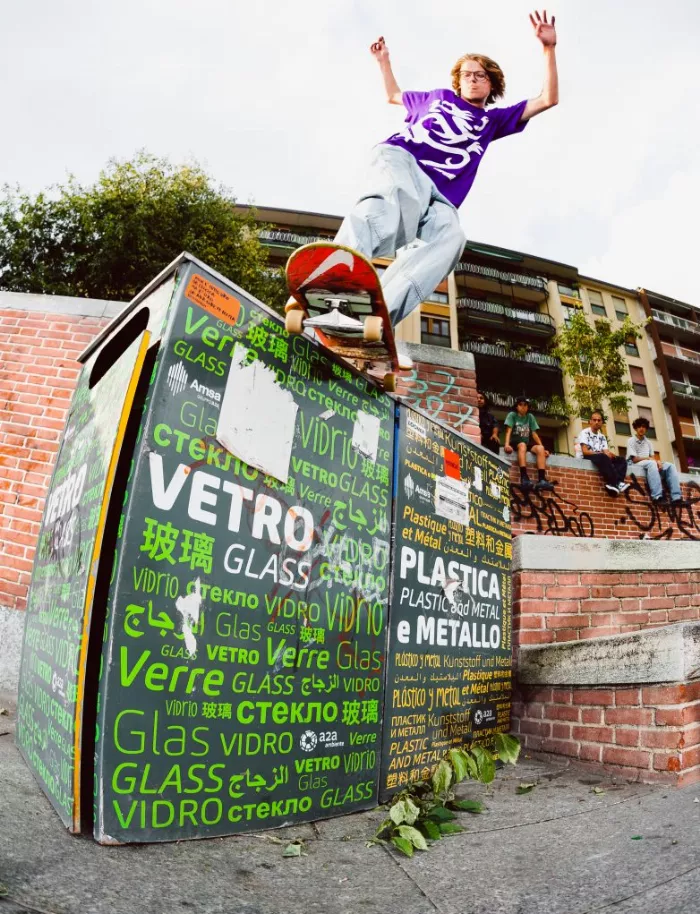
(591, 357)
(109, 239)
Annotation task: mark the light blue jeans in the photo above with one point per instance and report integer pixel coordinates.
(670, 475)
(404, 214)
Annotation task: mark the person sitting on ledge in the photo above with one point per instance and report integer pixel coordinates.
(521, 426)
(487, 424)
(594, 446)
(641, 453)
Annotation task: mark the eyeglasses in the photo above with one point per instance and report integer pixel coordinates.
(477, 75)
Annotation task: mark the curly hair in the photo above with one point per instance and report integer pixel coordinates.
(495, 74)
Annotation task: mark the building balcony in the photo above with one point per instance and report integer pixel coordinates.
(685, 359)
(280, 238)
(511, 353)
(490, 279)
(686, 393)
(539, 406)
(491, 314)
(683, 329)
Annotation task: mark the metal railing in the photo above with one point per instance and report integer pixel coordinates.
(507, 401)
(515, 314)
(291, 238)
(513, 279)
(674, 321)
(499, 351)
(678, 352)
(686, 390)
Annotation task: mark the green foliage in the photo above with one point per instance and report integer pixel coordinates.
(591, 355)
(109, 239)
(423, 812)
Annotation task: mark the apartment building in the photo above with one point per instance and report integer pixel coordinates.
(674, 341)
(505, 307)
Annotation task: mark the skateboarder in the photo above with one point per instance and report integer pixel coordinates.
(420, 175)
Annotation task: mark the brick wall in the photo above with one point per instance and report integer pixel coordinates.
(579, 506)
(555, 606)
(442, 384)
(648, 733)
(38, 371)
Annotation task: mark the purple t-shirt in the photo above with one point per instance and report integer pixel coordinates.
(448, 137)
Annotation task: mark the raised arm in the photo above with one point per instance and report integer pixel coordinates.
(380, 52)
(549, 96)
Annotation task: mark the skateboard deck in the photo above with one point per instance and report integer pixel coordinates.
(337, 293)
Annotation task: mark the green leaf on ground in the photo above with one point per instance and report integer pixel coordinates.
(525, 788)
(414, 836)
(597, 790)
(397, 813)
(403, 845)
(449, 828)
(459, 763)
(508, 748)
(441, 813)
(485, 764)
(430, 829)
(442, 777)
(637, 837)
(293, 849)
(467, 805)
(412, 811)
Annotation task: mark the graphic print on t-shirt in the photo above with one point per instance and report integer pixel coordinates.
(443, 127)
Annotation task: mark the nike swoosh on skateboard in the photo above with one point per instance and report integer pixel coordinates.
(337, 258)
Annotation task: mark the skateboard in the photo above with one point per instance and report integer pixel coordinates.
(337, 293)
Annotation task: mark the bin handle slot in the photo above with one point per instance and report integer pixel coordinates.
(113, 350)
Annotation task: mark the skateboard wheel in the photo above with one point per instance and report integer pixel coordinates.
(390, 382)
(373, 329)
(294, 321)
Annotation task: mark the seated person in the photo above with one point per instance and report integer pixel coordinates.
(487, 424)
(594, 446)
(521, 429)
(641, 453)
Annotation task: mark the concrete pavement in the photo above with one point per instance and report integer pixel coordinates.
(576, 844)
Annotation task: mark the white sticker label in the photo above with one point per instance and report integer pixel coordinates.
(415, 428)
(495, 491)
(365, 435)
(452, 499)
(257, 417)
(478, 480)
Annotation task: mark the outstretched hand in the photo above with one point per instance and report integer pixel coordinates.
(544, 30)
(379, 50)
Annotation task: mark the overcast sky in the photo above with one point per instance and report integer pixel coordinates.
(282, 102)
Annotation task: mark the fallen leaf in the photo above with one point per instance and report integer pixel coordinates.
(4, 711)
(597, 790)
(637, 837)
(292, 850)
(525, 788)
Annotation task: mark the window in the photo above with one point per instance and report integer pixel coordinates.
(623, 428)
(645, 413)
(440, 297)
(631, 347)
(620, 306)
(596, 300)
(569, 291)
(638, 381)
(569, 312)
(622, 450)
(435, 331)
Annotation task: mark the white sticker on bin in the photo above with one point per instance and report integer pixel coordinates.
(257, 417)
(365, 435)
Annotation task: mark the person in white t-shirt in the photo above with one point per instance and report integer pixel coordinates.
(594, 446)
(641, 453)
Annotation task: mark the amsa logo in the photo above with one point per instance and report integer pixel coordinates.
(415, 491)
(178, 380)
